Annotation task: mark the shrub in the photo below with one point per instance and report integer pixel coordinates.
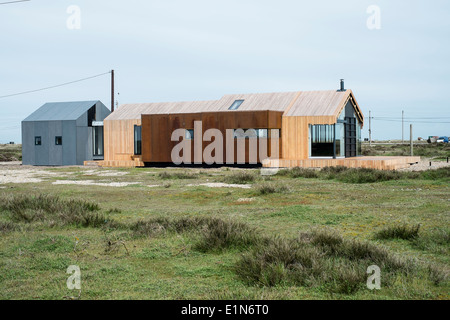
(279, 261)
(240, 177)
(52, 209)
(267, 188)
(298, 172)
(177, 175)
(437, 240)
(218, 235)
(399, 232)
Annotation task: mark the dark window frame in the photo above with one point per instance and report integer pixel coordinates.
(137, 142)
(58, 141)
(96, 134)
(38, 141)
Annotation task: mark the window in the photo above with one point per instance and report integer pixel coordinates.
(58, 141)
(37, 141)
(252, 133)
(137, 140)
(189, 134)
(322, 138)
(98, 141)
(236, 105)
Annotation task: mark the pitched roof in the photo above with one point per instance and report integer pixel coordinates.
(54, 111)
(297, 103)
(135, 110)
(317, 103)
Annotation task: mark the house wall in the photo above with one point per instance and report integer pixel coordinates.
(48, 153)
(157, 130)
(119, 139)
(295, 135)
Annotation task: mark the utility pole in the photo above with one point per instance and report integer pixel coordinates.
(112, 90)
(403, 131)
(370, 129)
(411, 139)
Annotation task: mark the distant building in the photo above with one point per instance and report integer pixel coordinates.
(64, 133)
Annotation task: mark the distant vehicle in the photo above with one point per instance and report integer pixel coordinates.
(432, 139)
(442, 140)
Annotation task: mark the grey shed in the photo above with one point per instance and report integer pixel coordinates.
(64, 133)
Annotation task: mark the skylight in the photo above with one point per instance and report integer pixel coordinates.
(236, 105)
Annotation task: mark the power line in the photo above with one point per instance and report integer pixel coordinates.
(414, 121)
(56, 86)
(412, 118)
(9, 2)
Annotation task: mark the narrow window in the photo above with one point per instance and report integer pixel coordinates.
(236, 105)
(137, 140)
(58, 141)
(37, 141)
(98, 141)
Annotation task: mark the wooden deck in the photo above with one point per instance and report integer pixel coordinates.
(130, 162)
(382, 163)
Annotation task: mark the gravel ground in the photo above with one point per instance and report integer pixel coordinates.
(424, 164)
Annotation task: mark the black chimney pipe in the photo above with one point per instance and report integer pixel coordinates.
(342, 85)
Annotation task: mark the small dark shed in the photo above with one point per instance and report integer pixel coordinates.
(64, 133)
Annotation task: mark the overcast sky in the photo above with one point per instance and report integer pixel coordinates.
(200, 50)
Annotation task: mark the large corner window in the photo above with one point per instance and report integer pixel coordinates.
(58, 141)
(37, 141)
(137, 140)
(97, 141)
(322, 139)
(236, 104)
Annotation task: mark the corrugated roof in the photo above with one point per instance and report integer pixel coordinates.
(297, 103)
(54, 111)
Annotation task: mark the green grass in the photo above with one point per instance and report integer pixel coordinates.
(436, 151)
(303, 236)
(364, 175)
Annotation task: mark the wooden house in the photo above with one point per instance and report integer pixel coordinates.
(314, 129)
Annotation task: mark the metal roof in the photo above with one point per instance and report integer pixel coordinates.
(54, 111)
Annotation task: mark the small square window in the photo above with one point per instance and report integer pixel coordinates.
(37, 141)
(236, 105)
(58, 141)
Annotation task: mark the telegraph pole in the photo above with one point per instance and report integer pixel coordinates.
(403, 131)
(410, 140)
(370, 129)
(112, 90)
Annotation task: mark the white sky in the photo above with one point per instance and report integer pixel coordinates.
(200, 50)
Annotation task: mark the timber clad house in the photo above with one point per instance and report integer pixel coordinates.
(315, 129)
(300, 128)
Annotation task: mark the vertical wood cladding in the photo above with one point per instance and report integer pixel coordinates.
(157, 130)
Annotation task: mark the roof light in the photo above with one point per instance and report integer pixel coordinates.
(236, 104)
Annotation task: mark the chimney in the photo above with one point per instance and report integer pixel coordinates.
(342, 85)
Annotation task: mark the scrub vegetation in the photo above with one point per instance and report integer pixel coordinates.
(174, 234)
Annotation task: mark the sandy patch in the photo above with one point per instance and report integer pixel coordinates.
(221, 185)
(245, 199)
(93, 183)
(104, 173)
(23, 176)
